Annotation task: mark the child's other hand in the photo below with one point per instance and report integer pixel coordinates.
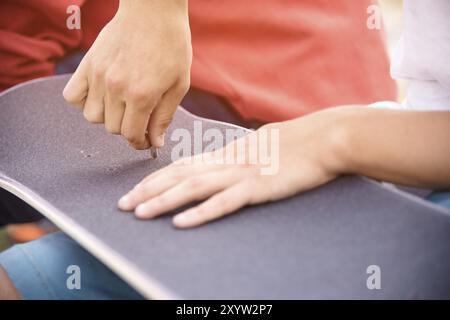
(308, 156)
(137, 71)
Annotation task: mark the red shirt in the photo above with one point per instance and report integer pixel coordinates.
(272, 60)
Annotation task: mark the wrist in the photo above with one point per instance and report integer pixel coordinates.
(151, 7)
(337, 140)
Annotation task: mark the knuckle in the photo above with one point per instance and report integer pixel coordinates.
(139, 94)
(130, 136)
(193, 183)
(161, 200)
(221, 202)
(140, 192)
(133, 140)
(114, 83)
(176, 173)
(99, 70)
(93, 116)
(136, 141)
(247, 196)
(200, 210)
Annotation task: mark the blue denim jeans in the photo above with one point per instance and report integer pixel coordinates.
(40, 269)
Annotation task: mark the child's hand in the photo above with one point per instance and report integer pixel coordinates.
(137, 71)
(308, 157)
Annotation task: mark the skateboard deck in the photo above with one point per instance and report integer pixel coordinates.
(318, 244)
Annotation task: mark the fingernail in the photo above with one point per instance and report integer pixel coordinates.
(140, 210)
(180, 218)
(124, 202)
(159, 141)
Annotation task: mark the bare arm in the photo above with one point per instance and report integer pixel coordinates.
(404, 147)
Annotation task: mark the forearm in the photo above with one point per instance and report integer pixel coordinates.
(147, 11)
(144, 5)
(404, 147)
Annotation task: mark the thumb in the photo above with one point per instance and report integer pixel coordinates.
(161, 117)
